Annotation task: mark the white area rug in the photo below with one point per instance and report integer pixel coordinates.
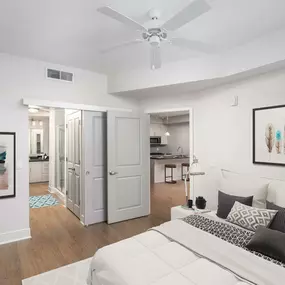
(72, 274)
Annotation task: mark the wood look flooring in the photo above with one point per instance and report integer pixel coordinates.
(58, 238)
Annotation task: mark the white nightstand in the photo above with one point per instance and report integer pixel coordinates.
(179, 212)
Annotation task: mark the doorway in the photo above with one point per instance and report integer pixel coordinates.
(88, 174)
(47, 137)
(39, 120)
(77, 162)
(171, 152)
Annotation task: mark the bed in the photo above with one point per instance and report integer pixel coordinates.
(198, 250)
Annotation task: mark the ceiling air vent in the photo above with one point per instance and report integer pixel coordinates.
(60, 75)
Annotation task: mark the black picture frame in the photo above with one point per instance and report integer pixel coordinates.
(14, 166)
(254, 136)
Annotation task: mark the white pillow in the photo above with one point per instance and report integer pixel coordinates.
(276, 193)
(245, 185)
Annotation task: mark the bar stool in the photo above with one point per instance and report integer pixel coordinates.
(187, 165)
(169, 166)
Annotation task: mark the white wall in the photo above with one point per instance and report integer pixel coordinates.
(20, 78)
(59, 117)
(46, 136)
(179, 137)
(223, 134)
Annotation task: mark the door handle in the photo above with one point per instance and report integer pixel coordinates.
(113, 172)
(72, 168)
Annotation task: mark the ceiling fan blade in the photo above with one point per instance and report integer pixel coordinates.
(121, 18)
(193, 45)
(155, 57)
(124, 44)
(191, 12)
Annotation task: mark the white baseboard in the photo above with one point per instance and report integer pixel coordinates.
(59, 194)
(15, 236)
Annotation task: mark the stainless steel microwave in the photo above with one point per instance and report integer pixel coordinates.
(155, 140)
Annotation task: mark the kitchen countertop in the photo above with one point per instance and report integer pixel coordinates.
(168, 157)
(39, 160)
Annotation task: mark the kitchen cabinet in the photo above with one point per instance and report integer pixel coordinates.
(159, 130)
(39, 171)
(155, 130)
(36, 141)
(163, 136)
(151, 131)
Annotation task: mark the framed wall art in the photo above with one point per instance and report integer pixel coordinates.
(7, 165)
(269, 135)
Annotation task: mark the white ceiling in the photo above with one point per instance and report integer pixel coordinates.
(72, 32)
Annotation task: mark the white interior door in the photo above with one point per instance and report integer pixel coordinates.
(128, 194)
(59, 157)
(94, 147)
(73, 162)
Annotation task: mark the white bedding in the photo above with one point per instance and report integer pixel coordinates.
(152, 259)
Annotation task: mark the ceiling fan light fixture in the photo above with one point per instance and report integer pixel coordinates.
(154, 41)
(155, 32)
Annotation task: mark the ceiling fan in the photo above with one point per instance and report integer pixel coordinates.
(155, 32)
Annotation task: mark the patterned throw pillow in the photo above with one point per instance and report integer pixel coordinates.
(250, 218)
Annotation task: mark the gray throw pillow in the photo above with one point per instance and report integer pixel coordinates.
(268, 242)
(226, 202)
(278, 222)
(249, 217)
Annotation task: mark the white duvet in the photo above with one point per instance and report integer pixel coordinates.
(195, 258)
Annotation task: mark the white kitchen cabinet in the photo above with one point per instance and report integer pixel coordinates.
(155, 130)
(159, 130)
(36, 141)
(151, 130)
(163, 136)
(39, 171)
(45, 171)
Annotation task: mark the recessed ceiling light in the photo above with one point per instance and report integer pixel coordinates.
(33, 110)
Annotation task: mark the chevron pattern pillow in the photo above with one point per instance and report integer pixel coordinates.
(249, 217)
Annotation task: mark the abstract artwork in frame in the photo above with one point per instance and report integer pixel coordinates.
(7, 165)
(269, 135)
